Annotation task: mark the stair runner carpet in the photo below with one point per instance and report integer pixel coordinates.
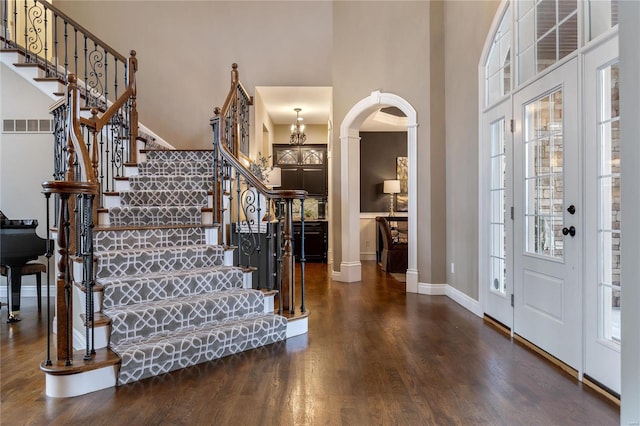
(171, 300)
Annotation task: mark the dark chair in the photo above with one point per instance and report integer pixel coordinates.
(395, 249)
(31, 268)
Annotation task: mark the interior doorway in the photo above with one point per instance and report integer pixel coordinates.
(350, 266)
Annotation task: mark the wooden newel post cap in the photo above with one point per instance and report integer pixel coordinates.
(216, 110)
(132, 53)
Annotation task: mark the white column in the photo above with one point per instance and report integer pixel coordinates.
(412, 151)
(350, 267)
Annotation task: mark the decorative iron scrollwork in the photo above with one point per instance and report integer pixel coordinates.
(33, 35)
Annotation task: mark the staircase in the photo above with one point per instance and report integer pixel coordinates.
(157, 287)
(168, 293)
(171, 300)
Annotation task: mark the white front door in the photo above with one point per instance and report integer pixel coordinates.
(497, 149)
(547, 215)
(602, 217)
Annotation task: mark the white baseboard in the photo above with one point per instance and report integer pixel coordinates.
(297, 327)
(60, 386)
(452, 293)
(465, 301)
(350, 272)
(368, 255)
(432, 289)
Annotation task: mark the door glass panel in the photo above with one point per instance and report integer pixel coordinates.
(287, 156)
(544, 183)
(609, 200)
(498, 205)
(312, 156)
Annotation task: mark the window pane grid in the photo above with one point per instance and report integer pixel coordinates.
(609, 204)
(498, 67)
(550, 30)
(544, 181)
(497, 244)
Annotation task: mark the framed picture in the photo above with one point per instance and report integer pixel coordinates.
(402, 174)
(402, 202)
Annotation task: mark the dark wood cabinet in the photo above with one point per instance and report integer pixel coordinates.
(303, 167)
(315, 240)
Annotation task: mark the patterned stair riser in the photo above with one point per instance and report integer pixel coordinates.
(164, 198)
(201, 344)
(146, 320)
(175, 168)
(155, 215)
(177, 155)
(171, 183)
(163, 259)
(131, 290)
(132, 239)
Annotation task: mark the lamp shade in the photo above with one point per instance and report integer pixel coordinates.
(274, 177)
(391, 186)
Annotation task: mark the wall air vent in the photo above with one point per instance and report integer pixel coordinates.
(21, 125)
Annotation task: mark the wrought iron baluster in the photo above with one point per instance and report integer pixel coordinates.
(49, 253)
(46, 50)
(66, 50)
(86, 83)
(279, 255)
(86, 207)
(106, 79)
(55, 44)
(302, 255)
(115, 78)
(26, 53)
(5, 21)
(66, 230)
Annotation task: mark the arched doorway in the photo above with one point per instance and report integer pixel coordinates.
(350, 267)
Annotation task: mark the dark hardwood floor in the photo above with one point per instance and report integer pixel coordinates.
(373, 355)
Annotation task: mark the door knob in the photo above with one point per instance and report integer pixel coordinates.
(569, 231)
(571, 209)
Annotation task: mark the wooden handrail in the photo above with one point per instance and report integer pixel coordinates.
(287, 271)
(75, 132)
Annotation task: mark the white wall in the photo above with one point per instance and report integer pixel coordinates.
(26, 159)
(467, 24)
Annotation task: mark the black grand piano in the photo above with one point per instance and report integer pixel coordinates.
(19, 244)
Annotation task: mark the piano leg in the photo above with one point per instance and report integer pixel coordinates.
(14, 285)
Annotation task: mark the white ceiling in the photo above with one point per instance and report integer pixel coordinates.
(315, 103)
(279, 102)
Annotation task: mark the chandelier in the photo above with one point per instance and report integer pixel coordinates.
(297, 130)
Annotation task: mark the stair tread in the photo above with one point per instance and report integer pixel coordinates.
(104, 357)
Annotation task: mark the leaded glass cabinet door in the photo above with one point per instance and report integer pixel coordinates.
(497, 153)
(547, 215)
(602, 217)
